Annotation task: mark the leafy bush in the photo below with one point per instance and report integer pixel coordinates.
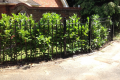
(49, 29)
(77, 33)
(15, 30)
(16, 25)
(47, 35)
(99, 31)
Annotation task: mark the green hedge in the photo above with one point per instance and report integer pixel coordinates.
(43, 34)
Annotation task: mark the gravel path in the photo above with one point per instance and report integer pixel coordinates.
(99, 65)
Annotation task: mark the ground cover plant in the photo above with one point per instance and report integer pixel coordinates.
(21, 37)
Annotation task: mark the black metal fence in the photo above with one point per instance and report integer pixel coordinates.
(52, 39)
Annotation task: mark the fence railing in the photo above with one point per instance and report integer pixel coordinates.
(46, 40)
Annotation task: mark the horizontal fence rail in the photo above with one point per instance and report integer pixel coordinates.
(52, 39)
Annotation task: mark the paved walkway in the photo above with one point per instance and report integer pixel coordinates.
(100, 65)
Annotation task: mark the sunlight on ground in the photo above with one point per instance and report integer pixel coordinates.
(117, 37)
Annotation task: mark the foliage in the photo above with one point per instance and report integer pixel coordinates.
(77, 34)
(102, 7)
(47, 35)
(15, 29)
(46, 29)
(99, 31)
(15, 25)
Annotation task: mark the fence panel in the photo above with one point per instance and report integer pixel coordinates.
(101, 32)
(51, 39)
(77, 36)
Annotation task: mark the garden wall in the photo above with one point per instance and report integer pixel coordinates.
(38, 11)
(6, 9)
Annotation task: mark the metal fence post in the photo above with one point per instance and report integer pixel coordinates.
(0, 46)
(64, 23)
(90, 34)
(15, 53)
(112, 32)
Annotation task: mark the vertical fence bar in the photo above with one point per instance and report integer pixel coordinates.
(44, 43)
(61, 39)
(78, 33)
(3, 50)
(35, 41)
(48, 36)
(20, 43)
(10, 42)
(112, 32)
(15, 40)
(52, 38)
(65, 36)
(3, 46)
(0, 47)
(72, 36)
(84, 37)
(56, 39)
(75, 34)
(30, 41)
(0, 52)
(25, 41)
(90, 34)
(81, 38)
(69, 33)
(39, 30)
